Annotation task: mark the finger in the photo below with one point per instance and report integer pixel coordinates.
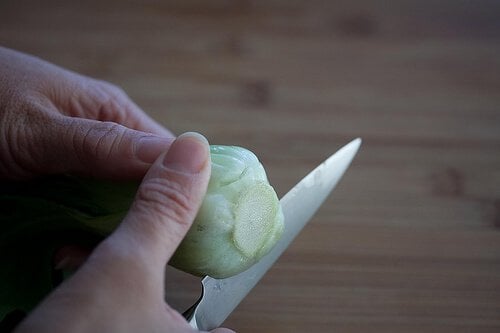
(76, 95)
(170, 195)
(100, 100)
(115, 105)
(87, 147)
(163, 210)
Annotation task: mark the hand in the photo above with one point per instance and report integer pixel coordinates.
(56, 121)
(120, 287)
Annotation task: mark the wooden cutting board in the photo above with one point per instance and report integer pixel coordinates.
(410, 241)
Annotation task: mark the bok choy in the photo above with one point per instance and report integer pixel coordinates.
(240, 220)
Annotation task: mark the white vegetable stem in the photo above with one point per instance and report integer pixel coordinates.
(240, 219)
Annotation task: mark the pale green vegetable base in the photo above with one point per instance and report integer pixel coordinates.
(254, 230)
(239, 221)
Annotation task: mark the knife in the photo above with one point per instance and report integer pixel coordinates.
(221, 296)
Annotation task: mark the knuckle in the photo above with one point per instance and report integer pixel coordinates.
(166, 198)
(101, 140)
(109, 109)
(111, 88)
(24, 140)
(114, 104)
(109, 102)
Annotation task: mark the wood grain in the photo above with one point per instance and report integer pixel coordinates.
(410, 241)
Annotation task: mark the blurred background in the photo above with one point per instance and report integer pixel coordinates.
(410, 240)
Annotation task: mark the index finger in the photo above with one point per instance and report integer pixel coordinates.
(89, 98)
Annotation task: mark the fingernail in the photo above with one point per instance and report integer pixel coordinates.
(150, 147)
(188, 153)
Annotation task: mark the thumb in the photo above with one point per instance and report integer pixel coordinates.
(125, 273)
(165, 206)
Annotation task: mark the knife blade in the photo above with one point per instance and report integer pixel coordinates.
(221, 296)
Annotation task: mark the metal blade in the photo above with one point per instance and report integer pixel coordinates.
(221, 296)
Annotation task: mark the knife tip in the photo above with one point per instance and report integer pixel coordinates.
(355, 144)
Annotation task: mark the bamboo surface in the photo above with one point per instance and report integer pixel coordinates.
(410, 240)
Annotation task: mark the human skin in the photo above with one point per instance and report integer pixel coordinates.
(53, 120)
(56, 121)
